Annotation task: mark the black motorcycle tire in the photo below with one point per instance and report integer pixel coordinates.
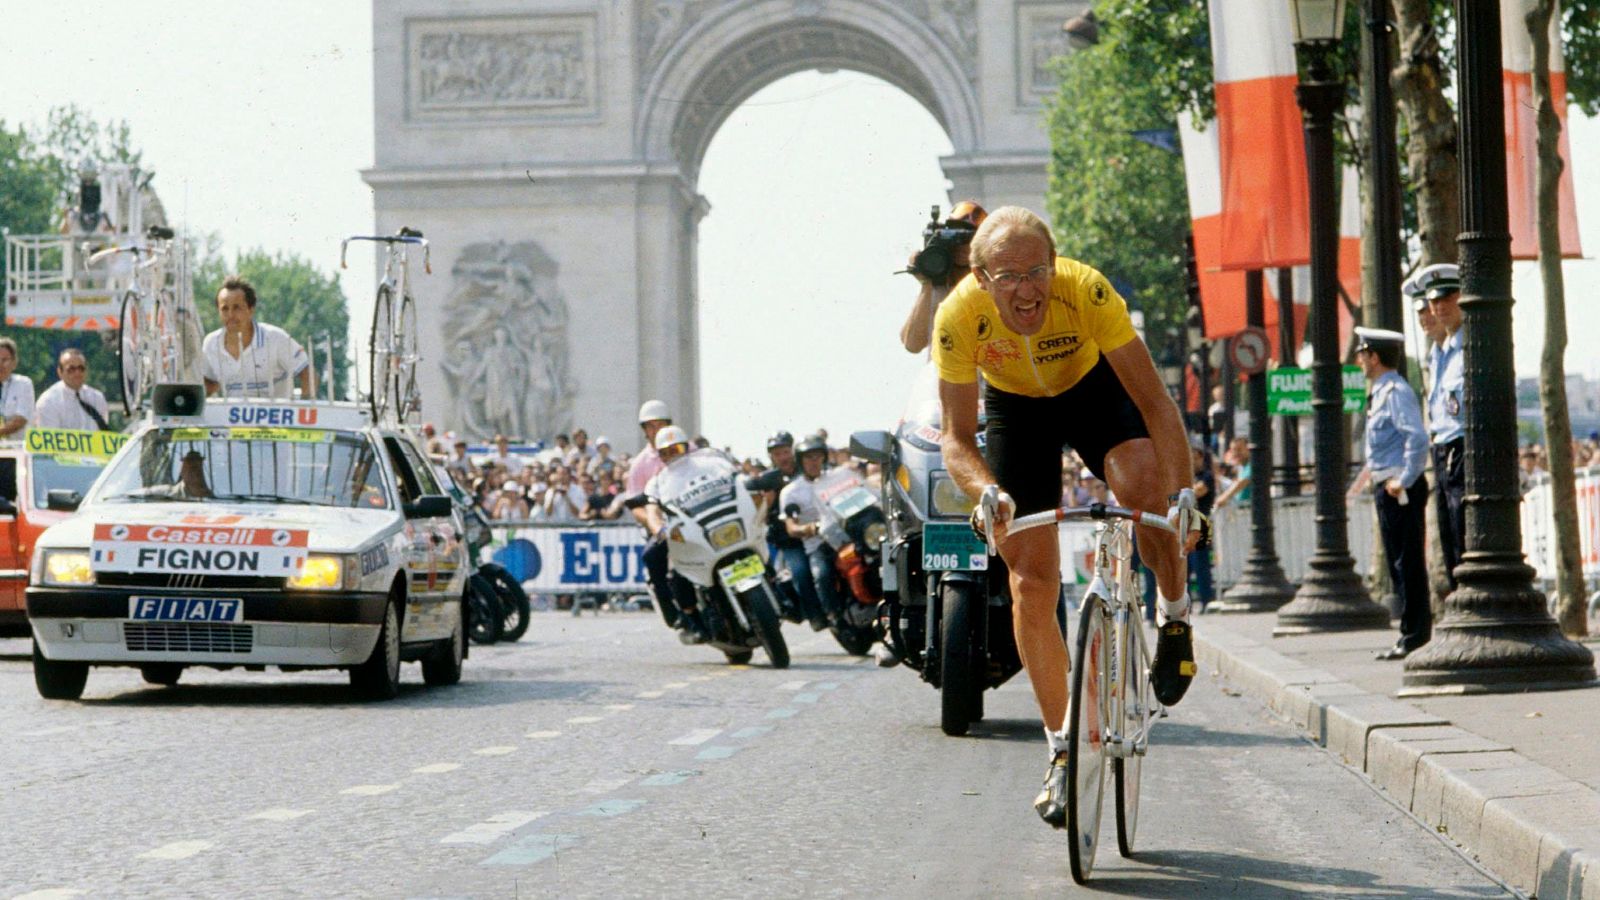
(763, 613)
(514, 602)
(856, 640)
(483, 610)
(741, 658)
(959, 683)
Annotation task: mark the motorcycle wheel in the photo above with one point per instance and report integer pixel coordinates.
(764, 619)
(856, 641)
(515, 606)
(959, 681)
(483, 610)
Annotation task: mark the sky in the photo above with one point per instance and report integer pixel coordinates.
(258, 119)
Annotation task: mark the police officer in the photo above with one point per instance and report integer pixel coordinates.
(1440, 286)
(1396, 448)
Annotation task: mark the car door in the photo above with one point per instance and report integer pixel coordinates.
(13, 565)
(425, 615)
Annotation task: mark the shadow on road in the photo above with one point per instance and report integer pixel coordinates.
(1169, 731)
(467, 694)
(1179, 873)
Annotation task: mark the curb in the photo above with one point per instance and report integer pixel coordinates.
(1531, 826)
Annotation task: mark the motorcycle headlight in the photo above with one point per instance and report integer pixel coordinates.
(874, 535)
(948, 498)
(67, 568)
(324, 572)
(727, 534)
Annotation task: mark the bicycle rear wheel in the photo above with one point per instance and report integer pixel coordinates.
(1086, 748)
(133, 346)
(380, 353)
(1136, 701)
(405, 358)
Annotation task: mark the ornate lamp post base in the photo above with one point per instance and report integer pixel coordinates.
(1261, 588)
(1331, 599)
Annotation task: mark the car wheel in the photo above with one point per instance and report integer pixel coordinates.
(164, 674)
(58, 680)
(379, 677)
(443, 665)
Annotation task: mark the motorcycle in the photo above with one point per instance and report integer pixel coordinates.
(853, 525)
(499, 609)
(716, 540)
(946, 610)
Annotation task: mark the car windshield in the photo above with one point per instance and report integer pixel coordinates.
(230, 465)
(63, 473)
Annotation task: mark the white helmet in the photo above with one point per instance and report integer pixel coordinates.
(654, 411)
(670, 435)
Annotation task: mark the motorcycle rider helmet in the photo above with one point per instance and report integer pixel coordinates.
(968, 213)
(811, 443)
(780, 439)
(672, 436)
(654, 411)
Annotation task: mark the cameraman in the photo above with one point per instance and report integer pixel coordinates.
(944, 248)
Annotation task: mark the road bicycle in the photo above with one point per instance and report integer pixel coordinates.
(1111, 706)
(392, 348)
(159, 331)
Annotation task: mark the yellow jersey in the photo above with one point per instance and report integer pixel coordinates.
(1084, 317)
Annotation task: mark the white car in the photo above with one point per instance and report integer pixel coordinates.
(255, 533)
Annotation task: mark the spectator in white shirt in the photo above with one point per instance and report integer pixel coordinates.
(16, 392)
(246, 358)
(580, 453)
(70, 403)
(564, 501)
(503, 458)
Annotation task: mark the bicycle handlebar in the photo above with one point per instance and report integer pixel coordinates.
(105, 253)
(406, 236)
(1093, 511)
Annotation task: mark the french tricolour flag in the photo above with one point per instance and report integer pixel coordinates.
(1522, 132)
(1265, 199)
(1221, 293)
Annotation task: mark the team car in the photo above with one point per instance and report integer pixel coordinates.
(254, 533)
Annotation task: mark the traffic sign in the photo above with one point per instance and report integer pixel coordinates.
(1249, 350)
(1289, 391)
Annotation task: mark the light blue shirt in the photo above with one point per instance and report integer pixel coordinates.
(1396, 441)
(1444, 394)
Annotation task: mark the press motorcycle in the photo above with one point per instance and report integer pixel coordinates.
(853, 525)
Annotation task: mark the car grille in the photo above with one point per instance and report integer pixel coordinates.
(189, 582)
(187, 637)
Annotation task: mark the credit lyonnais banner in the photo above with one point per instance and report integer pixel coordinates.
(198, 549)
(554, 559)
(100, 445)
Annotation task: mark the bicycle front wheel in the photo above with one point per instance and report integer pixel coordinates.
(406, 400)
(1136, 704)
(1086, 747)
(380, 353)
(132, 344)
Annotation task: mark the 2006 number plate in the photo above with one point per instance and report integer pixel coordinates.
(952, 547)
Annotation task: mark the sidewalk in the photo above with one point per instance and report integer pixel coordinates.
(1514, 779)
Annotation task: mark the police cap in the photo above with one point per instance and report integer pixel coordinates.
(1373, 338)
(1435, 281)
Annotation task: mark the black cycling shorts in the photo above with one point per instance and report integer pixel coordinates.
(1024, 436)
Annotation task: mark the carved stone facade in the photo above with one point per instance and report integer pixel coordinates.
(520, 133)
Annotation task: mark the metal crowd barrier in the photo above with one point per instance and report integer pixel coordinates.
(1539, 525)
(1294, 529)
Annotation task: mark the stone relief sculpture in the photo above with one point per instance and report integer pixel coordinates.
(505, 334)
(527, 68)
(1046, 41)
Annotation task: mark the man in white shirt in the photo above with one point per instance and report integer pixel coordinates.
(70, 403)
(503, 457)
(563, 501)
(16, 392)
(246, 358)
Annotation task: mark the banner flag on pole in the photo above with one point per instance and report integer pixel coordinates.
(1221, 293)
(1266, 199)
(1522, 133)
(1349, 253)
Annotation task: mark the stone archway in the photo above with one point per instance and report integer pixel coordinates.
(551, 151)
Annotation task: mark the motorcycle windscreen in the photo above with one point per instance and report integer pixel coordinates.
(698, 482)
(922, 422)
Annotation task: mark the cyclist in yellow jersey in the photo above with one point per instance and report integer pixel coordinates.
(1063, 367)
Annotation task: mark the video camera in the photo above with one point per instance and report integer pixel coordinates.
(936, 260)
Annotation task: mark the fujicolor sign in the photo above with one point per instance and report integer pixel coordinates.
(198, 550)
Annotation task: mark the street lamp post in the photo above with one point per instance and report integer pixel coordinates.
(1495, 633)
(1288, 426)
(1383, 166)
(1332, 596)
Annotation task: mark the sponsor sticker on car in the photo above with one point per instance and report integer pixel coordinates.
(198, 549)
(186, 609)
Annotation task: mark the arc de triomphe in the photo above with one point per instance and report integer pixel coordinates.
(550, 150)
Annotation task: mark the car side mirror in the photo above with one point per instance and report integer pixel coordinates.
(62, 499)
(872, 446)
(429, 506)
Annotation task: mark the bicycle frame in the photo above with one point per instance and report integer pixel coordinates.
(1114, 583)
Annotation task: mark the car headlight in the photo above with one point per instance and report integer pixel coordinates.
(324, 572)
(727, 534)
(67, 568)
(948, 498)
(873, 535)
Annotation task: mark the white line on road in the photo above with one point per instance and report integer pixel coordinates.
(370, 790)
(543, 735)
(619, 707)
(720, 751)
(792, 685)
(280, 814)
(51, 894)
(176, 850)
(649, 695)
(494, 751)
(675, 685)
(584, 720)
(604, 785)
(492, 829)
(695, 738)
(436, 768)
(701, 678)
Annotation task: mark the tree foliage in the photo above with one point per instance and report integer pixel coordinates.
(1117, 203)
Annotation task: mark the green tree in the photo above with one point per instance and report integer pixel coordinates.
(291, 294)
(1118, 203)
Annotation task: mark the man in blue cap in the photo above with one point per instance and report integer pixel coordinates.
(1440, 286)
(1396, 448)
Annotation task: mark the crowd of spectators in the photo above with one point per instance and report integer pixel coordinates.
(573, 480)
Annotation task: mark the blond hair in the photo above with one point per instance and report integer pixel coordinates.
(999, 223)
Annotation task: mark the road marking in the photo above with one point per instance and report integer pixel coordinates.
(827, 685)
(619, 707)
(807, 697)
(701, 678)
(495, 751)
(436, 768)
(696, 737)
(51, 894)
(176, 850)
(46, 732)
(542, 735)
(745, 734)
(369, 790)
(792, 685)
(718, 752)
(784, 713)
(610, 808)
(667, 779)
(492, 829)
(534, 848)
(649, 695)
(584, 720)
(675, 685)
(604, 785)
(280, 814)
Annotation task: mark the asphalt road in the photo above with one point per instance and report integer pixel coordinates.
(600, 758)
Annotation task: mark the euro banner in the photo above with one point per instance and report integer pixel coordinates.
(1522, 133)
(99, 445)
(575, 559)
